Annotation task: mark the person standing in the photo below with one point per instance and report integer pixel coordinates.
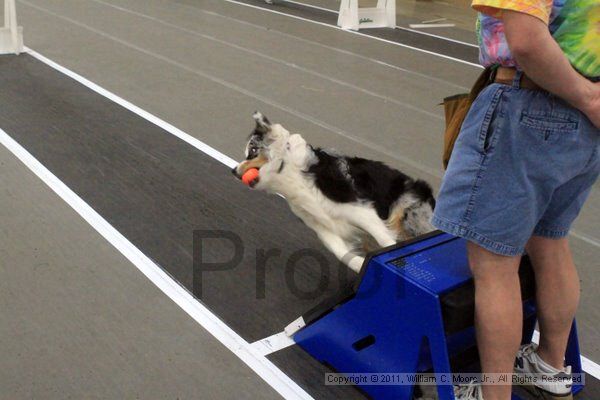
(521, 169)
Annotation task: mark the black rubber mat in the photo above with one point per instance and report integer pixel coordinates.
(157, 190)
(308, 372)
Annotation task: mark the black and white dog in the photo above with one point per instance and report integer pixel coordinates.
(349, 202)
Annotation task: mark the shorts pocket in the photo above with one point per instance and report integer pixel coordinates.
(549, 123)
(488, 126)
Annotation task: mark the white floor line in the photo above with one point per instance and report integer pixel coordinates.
(223, 333)
(439, 36)
(361, 141)
(590, 367)
(273, 343)
(588, 239)
(279, 61)
(397, 26)
(433, 53)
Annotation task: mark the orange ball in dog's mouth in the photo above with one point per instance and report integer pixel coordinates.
(250, 177)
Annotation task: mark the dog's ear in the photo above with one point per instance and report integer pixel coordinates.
(263, 125)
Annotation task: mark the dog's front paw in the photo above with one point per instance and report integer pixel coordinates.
(356, 263)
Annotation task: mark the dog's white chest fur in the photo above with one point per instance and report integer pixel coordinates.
(317, 211)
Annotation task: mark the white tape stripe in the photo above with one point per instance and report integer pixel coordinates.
(536, 337)
(241, 348)
(273, 343)
(585, 238)
(426, 26)
(438, 37)
(590, 367)
(433, 53)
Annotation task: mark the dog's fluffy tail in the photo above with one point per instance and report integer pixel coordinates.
(411, 214)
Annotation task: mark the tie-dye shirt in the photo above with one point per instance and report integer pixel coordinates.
(574, 24)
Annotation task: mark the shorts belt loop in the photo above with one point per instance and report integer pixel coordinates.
(516, 83)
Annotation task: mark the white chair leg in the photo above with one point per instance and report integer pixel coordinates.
(10, 34)
(6, 13)
(348, 15)
(390, 11)
(14, 28)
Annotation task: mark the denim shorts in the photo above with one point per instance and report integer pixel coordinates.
(523, 165)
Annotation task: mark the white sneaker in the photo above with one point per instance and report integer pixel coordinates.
(557, 388)
(471, 391)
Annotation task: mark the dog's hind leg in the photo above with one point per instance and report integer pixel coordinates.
(368, 220)
(340, 249)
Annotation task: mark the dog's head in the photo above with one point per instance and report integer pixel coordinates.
(264, 145)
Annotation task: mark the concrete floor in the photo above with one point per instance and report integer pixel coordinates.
(206, 65)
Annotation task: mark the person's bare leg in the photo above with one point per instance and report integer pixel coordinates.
(557, 295)
(498, 314)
